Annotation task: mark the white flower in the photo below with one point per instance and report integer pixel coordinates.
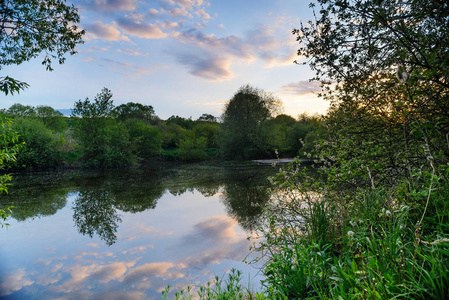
(388, 213)
(351, 233)
(353, 224)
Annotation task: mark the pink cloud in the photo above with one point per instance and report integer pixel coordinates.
(99, 30)
(178, 12)
(146, 31)
(209, 67)
(301, 88)
(112, 5)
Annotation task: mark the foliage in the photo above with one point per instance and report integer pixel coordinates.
(11, 85)
(146, 139)
(207, 118)
(390, 98)
(52, 118)
(171, 135)
(103, 142)
(374, 225)
(192, 148)
(209, 131)
(34, 26)
(133, 110)
(30, 27)
(243, 119)
(180, 121)
(19, 110)
(230, 288)
(41, 147)
(9, 147)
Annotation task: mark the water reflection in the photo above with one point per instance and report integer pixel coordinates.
(140, 230)
(100, 196)
(245, 196)
(94, 213)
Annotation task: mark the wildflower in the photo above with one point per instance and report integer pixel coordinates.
(353, 224)
(388, 213)
(351, 233)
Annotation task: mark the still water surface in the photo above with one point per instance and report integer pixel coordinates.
(128, 234)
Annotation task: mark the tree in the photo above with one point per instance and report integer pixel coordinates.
(52, 118)
(180, 121)
(244, 116)
(389, 62)
(9, 147)
(41, 147)
(19, 110)
(207, 118)
(133, 110)
(104, 142)
(30, 27)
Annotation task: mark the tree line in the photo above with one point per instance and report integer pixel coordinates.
(99, 134)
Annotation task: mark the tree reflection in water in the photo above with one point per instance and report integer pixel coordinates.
(102, 195)
(95, 210)
(94, 213)
(245, 194)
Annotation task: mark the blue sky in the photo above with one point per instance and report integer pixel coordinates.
(183, 57)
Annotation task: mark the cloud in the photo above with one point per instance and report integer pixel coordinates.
(99, 30)
(153, 12)
(140, 30)
(202, 14)
(219, 239)
(231, 44)
(131, 52)
(213, 56)
(301, 88)
(127, 69)
(216, 229)
(146, 271)
(169, 25)
(14, 282)
(183, 3)
(110, 272)
(208, 66)
(111, 5)
(178, 12)
(136, 250)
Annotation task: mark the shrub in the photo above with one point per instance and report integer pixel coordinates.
(42, 148)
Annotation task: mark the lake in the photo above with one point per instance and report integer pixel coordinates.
(127, 234)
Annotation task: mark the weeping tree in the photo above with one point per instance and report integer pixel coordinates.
(245, 114)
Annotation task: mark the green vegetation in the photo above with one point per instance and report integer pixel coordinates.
(243, 134)
(29, 28)
(372, 223)
(9, 147)
(100, 135)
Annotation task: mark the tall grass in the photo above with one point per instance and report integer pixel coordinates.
(376, 242)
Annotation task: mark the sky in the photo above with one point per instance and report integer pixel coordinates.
(183, 57)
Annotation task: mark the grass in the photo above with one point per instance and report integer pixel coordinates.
(368, 243)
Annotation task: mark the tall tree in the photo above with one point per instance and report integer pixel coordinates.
(244, 116)
(389, 62)
(30, 27)
(133, 110)
(104, 142)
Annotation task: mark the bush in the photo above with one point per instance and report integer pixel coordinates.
(146, 140)
(42, 148)
(192, 148)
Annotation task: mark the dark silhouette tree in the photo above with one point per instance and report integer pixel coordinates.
(243, 119)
